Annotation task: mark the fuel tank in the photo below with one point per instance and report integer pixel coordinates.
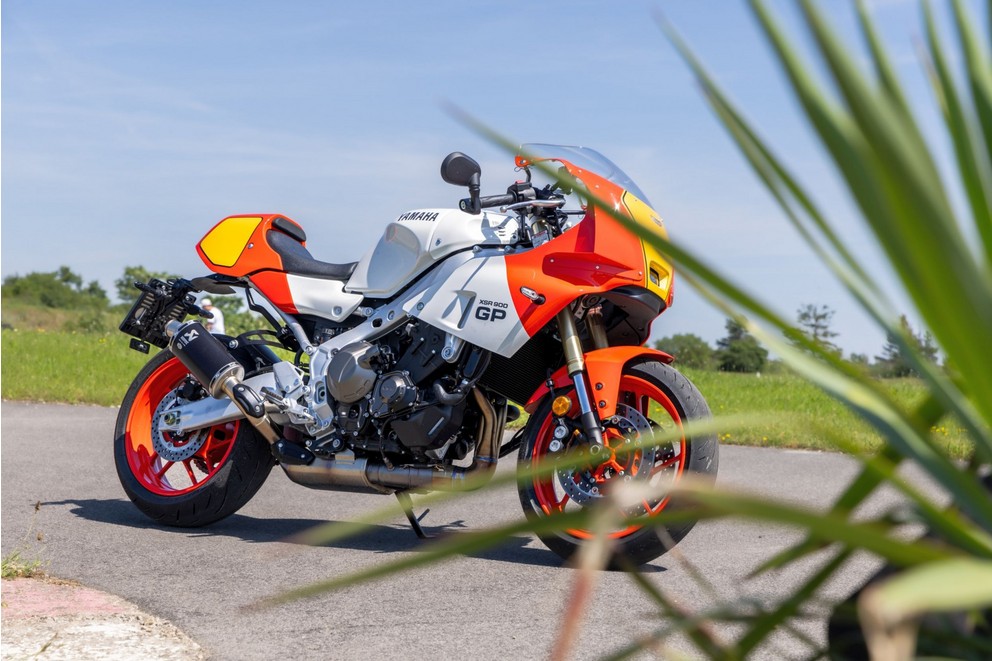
(417, 239)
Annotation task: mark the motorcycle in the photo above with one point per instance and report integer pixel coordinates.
(399, 373)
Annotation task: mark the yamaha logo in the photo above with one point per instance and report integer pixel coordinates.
(429, 216)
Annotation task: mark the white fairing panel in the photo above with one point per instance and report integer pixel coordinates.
(469, 297)
(324, 298)
(418, 239)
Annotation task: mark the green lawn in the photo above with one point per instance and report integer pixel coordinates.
(81, 368)
(78, 368)
(793, 413)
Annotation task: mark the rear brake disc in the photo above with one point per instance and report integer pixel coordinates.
(171, 446)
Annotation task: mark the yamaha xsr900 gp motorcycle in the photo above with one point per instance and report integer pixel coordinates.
(407, 361)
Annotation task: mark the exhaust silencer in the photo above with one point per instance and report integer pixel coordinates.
(210, 363)
(204, 355)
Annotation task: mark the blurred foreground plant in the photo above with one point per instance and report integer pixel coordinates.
(870, 134)
(943, 258)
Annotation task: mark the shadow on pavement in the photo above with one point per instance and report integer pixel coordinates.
(375, 538)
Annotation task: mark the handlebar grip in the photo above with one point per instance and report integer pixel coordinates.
(489, 201)
(497, 200)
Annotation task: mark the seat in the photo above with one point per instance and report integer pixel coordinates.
(297, 259)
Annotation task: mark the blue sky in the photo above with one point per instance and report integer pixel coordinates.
(130, 128)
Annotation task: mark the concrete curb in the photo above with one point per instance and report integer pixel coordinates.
(44, 618)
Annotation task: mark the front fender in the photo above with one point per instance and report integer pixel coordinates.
(603, 368)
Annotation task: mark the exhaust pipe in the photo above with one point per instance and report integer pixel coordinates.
(349, 473)
(209, 361)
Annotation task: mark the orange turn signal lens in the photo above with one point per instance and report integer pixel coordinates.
(561, 405)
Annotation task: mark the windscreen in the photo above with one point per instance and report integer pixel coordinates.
(585, 158)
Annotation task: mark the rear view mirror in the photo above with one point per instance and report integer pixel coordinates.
(462, 170)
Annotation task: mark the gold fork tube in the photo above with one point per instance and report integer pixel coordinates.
(597, 328)
(570, 342)
(575, 364)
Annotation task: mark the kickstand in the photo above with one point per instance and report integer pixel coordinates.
(407, 504)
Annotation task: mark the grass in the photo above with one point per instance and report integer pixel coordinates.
(799, 412)
(70, 367)
(20, 315)
(84, 368)
(14, 566)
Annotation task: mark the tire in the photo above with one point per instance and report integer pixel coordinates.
(653, 396)
(225, 466)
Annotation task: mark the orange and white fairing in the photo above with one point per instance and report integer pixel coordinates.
(597, 255)
(470, 275)
(245, 247)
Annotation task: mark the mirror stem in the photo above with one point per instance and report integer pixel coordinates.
(474, 186)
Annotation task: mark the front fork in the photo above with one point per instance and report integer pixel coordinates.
(575, 364)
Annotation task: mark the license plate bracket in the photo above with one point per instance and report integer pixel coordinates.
(160, 302)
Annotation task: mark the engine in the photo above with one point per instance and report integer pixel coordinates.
(405, 395)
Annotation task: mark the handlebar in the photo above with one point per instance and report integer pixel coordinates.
(488, 201)
(517, 195)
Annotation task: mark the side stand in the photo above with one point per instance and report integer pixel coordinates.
(407, 504)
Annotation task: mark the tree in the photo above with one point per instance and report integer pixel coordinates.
(928, 347)
(815, 320)
(739, 351)
(859, 359)
(895, 362)
(689, 350)
(61, 289)
(124, 285)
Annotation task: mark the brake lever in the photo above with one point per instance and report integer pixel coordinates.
(546, 204)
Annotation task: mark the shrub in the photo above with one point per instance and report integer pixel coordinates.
(689, 350)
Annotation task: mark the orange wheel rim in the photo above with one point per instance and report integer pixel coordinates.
(652, 403)
(158, 474)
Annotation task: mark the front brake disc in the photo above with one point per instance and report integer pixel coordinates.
(581, 484)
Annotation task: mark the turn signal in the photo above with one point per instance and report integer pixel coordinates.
(561, 405)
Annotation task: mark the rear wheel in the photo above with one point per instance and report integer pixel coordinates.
(187, 479)
(653, 397)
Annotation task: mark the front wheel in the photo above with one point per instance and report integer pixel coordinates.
(187, 479)
(653, 397)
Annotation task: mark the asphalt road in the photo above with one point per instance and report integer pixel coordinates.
(505, 603)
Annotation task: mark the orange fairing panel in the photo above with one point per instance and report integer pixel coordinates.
(237, 246)
(275, 286)
(597, 255)
(603, 369)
